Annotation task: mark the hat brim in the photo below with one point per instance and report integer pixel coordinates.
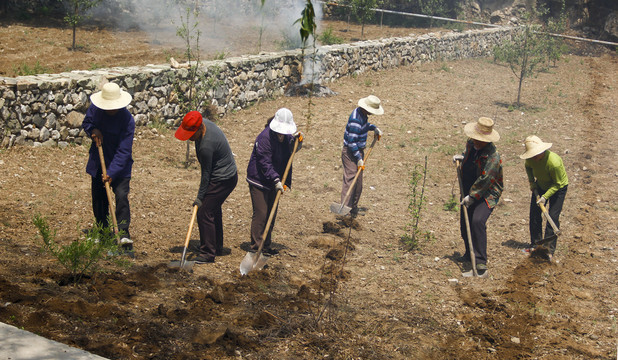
(470, 131)
(530, 153)
(104, 104)
(184, 135)
(369, 109)
(281, 128)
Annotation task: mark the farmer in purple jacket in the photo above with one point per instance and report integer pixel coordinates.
(110, 124)
(271, 152)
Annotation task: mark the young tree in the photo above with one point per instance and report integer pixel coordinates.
(523, 52)
(308, 27)
(76, 13)
(363, 10)
(193, 92)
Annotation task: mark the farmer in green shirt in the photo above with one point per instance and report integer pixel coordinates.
(548, 180)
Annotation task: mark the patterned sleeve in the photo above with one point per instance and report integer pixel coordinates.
(489, 176)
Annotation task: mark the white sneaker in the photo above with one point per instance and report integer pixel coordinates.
(125, 240)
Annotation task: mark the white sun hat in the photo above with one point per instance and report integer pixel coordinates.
(534, 146)
(371, 104)
(482, 130)
(283, 122)
(111, 97)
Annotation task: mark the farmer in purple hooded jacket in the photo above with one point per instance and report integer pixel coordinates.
(271, 152)
(111, 125)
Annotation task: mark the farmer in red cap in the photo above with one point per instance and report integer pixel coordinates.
(219, 178)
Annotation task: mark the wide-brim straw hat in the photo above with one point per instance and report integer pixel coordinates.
(283, 122)
(482, 130)
(371, 104)
(534, 146)
(111, 97)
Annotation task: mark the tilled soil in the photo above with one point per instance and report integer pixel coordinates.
(341, 288)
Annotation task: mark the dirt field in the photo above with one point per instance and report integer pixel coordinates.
(315, 300)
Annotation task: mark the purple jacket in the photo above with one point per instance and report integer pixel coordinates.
(118, 131)
(269, 159)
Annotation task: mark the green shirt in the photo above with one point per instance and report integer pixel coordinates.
(547, 174)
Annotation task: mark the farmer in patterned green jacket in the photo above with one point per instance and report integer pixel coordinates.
(481, 172)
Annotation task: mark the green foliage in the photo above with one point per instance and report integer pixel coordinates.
(24, 69)
(451, 204)
(81, 257)
(307, 23)
(414, 238)
(328, 38)
(219, 55)
(77, 15)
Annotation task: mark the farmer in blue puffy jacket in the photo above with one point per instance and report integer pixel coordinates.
(111, 125)
(271, 152)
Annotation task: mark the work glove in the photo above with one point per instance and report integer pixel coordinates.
(467, 201)
(279, 186)
(360, 164)
(300, 140)
(197, 203)
(377, 132)
(541, 201)
(457, 157)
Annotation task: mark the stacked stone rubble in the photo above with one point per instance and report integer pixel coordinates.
(48, 109)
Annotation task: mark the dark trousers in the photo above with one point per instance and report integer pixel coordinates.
(554, 205)
(262, 201)
(478, 214)
(349, 171)
(210, 217)
(100, 204)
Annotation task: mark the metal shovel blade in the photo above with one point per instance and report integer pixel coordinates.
(187, 265)
(249, 263)
(340, 209)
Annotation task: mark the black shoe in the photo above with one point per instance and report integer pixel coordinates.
(270, 251)
(463, 258)
(203, 260)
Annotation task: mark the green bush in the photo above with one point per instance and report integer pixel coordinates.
(83, 256)
(25, 70)
(328, 38)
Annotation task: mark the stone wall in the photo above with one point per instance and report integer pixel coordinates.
(48, 109)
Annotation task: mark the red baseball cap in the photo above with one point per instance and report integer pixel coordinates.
(190, 124)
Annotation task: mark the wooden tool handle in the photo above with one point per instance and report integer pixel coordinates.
(546, 215)
(347, 194)
(107, 189)
(466, 220)
(184, 251)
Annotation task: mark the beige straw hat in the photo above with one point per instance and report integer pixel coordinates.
(482, 130)
(534, 147)
(371, 104)
(111, 97)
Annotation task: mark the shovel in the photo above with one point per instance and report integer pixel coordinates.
(342, 209)
(548, 218)
(257, 260)
(466, 220)
(107, 188)
(183, 264)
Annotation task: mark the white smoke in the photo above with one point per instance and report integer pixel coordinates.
(229, 27)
